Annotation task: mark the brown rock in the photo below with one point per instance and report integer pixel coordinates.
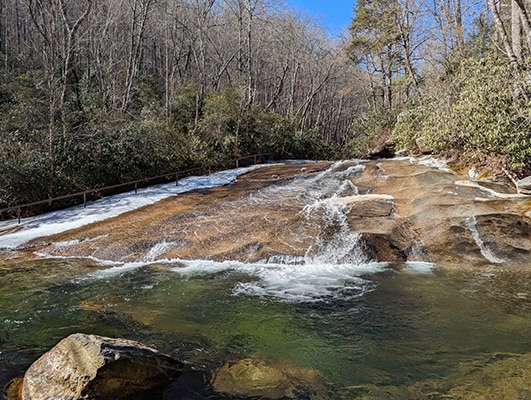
(13, 390)
(268, 379)
(507, 235)
(94, 367)
(504, 379)
(404, 211)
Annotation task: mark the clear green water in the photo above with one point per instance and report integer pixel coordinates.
(407, 330)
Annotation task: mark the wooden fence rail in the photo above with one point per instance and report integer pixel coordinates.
(96, 193)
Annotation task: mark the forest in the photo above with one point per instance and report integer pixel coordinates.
(98, 92)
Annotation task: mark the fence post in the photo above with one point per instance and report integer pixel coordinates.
(254, 160)
(136, 187)
(237, 164)
(18, 215)
(84, 200)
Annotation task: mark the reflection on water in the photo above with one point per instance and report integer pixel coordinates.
(417, 332)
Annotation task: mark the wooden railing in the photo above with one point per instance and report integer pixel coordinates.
(17, 211)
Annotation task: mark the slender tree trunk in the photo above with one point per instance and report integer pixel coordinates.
(516, 31)
(524, 7)
(500, 28)
(250, 81)
(459, 29)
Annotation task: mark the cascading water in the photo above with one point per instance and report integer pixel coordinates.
(333, 264)
(471, 224)
(158, 249)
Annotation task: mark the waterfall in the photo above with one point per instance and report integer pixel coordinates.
(157, 250)
(334, 264)
(336, 243)
(471, 224)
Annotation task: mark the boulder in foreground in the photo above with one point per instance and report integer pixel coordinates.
(94, 367)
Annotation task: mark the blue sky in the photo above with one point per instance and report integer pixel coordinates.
(335, 14)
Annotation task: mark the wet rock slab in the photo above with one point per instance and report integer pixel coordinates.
(403, 210)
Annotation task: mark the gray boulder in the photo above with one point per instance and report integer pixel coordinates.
(94, 367)
(524, 185)
(423, 146)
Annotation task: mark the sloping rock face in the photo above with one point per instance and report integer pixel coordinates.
(94, 367)
(236, 222)
(439, 217)
(404, 210)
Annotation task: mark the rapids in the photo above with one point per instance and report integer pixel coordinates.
(394, 279)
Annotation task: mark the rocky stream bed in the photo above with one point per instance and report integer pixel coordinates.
(384, 279)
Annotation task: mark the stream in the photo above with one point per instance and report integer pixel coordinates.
(373, 329)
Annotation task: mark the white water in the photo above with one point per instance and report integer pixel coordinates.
(159, 249)
(112, 206)
(291, 280)
(419, 268)
(333, 266)
(471, 224)
(427, 161)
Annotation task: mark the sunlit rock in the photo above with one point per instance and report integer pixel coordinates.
(94, 367)
(404, 210)
(268, 379)
(524, 185)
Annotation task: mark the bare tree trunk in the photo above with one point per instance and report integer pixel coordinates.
(500, 28)
(459, 29)
(139, 16)
(250, 82)
(516, 34)
(525, 21)
(279, 88)
(3, 33)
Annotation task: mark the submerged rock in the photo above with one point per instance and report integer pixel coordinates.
(268, 379)
(508, 378)
(94, 367)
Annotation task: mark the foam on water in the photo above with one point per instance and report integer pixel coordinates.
(419, 268)
(291, 282)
